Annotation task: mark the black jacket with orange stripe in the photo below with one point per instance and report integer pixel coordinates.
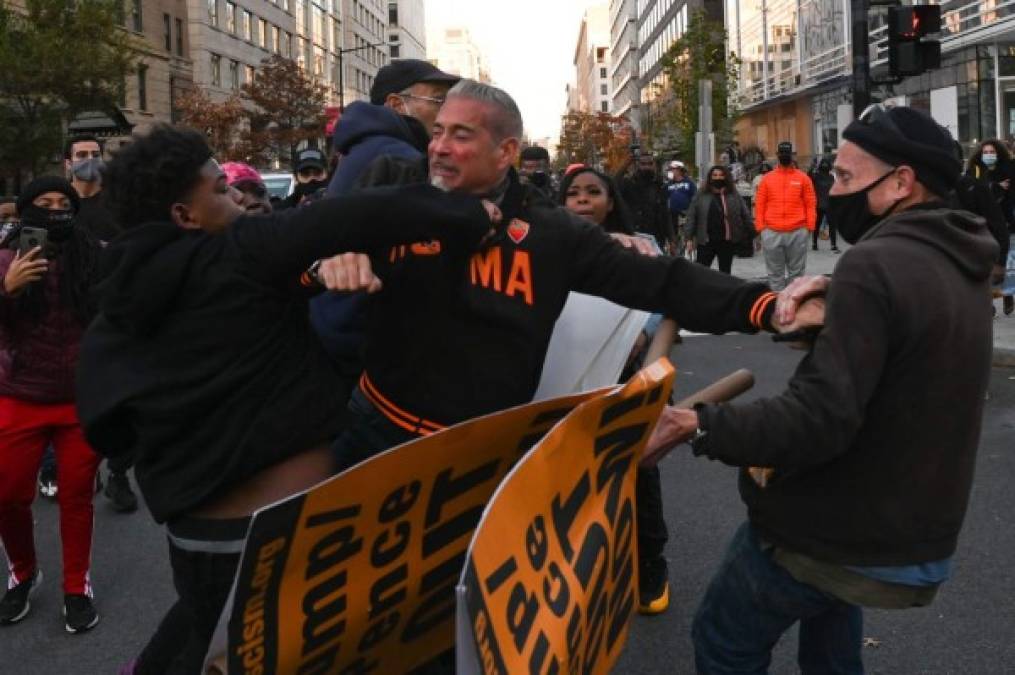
(455, 334)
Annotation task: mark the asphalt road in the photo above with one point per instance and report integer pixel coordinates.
(970, 629)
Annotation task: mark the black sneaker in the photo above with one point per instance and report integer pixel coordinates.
(80, 613)
(118, 491)
(653, 587)
(15, 605)
(47, 483)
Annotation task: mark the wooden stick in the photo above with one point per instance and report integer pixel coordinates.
(722, 390)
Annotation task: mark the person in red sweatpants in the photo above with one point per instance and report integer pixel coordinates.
(45, 305)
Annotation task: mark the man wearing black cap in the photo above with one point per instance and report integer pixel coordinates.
(396, 124)
(872, 447)
(534, 169)
(311, 172)
(404, 101)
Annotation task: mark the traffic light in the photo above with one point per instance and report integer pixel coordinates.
(908, 52)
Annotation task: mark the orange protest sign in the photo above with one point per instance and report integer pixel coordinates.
(357, 575)
(551, 577)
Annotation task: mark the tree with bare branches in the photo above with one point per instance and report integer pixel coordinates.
(288, 108)
(597, 139)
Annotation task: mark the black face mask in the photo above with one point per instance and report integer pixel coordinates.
(306, 189)
(717, 184)
(851, 215)
(539, 179)
(59, 224)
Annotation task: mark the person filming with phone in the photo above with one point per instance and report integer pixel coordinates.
(47, 265)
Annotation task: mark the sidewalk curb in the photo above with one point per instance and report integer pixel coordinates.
(1004, 357)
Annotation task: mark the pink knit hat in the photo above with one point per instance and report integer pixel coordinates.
(238, 172)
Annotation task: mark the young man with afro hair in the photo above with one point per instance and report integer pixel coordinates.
(202, 361)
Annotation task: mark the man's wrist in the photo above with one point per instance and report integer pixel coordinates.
(699, 442)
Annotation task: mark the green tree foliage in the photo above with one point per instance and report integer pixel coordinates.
(699, 54)
(58, 58)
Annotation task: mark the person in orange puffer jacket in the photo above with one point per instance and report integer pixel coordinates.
(785, 214)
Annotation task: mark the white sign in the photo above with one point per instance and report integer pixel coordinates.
(944, 108)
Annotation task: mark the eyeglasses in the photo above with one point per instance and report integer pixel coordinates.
(877, 115)
(439, 100)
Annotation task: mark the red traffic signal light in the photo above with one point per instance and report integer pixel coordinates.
(913, 22)
(908, 54)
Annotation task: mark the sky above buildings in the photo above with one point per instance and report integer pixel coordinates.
(529, 46)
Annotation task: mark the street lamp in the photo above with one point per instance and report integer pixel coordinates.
(341, 69)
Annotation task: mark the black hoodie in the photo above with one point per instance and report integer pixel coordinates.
(202, 361)
(874, 441)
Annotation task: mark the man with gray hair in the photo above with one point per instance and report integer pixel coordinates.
(455, 334)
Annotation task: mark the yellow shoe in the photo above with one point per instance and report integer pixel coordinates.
(657, 605)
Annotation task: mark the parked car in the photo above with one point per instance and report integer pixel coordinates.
(280, 185)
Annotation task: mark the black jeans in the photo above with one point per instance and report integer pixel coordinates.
(723, 250)
(652, 531)
(202, 580)
(817, 230)
(120, 463)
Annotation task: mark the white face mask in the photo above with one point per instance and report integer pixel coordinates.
(989, 159)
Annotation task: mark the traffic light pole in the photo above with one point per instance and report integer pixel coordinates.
(861, 57)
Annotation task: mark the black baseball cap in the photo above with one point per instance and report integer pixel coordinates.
(399, 75)
(310, 157)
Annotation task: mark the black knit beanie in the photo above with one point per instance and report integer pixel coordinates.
(907, 136)
(44, 184)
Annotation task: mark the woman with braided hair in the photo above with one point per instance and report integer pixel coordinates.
(45, 305)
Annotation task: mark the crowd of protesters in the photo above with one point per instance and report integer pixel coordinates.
(159, 312)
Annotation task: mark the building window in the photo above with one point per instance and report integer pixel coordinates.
(231, 18)
(248, 22)
(276, 39)
(394, 51)
(602, 90)
(336, 29)
(318, 62)
(265, 35)
(216, 70)
(234, 75)
(249, 74)
(393, 13)
(179, 37)
(604, 106)
(167, 29)
(142, 87)
(213, 13)
(602, 72)
(135, 13)
(287, 44)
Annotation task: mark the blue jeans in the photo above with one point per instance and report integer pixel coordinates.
(752, 601)
(368, 433)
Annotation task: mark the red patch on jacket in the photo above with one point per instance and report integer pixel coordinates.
(518, 230)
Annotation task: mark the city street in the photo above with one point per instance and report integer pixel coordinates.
(968, 630)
